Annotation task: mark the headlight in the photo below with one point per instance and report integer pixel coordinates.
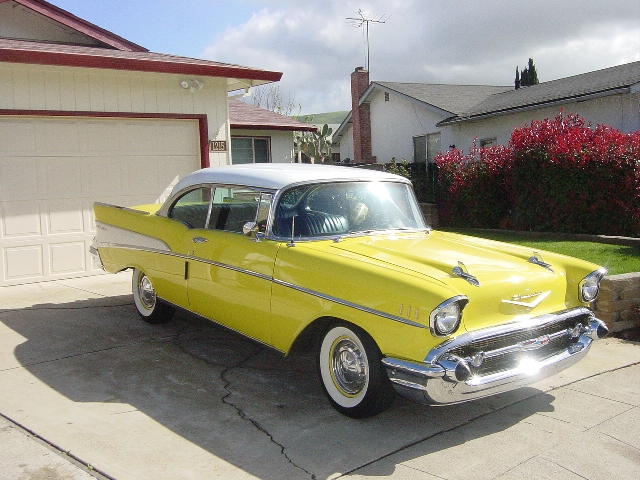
(445, 318)
(590, 285)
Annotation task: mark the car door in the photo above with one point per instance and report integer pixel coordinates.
(230, 273)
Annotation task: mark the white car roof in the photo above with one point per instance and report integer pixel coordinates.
(274, 176)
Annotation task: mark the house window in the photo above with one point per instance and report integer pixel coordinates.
(433, 146)
(420, 149)
(488, 142)
(250, 150)
(386, 96)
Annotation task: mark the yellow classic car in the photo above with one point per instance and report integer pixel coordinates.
(340, 260)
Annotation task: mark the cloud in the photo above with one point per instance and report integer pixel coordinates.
(431, 41)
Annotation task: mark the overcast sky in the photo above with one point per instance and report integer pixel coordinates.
(427, 41)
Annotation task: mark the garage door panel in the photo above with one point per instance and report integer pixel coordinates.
(19, 178)
(58, 137)
(61, 177)
(23, 262)
(141, 175)
(95, 141)
(22, 135)
(105, 177)
(55, 170)
(65, 217)
(20, 219)
(178, 139)
(67, 257)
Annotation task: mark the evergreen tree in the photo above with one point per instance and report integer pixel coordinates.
(529, 75)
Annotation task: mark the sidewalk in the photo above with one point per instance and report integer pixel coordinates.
(188, 400)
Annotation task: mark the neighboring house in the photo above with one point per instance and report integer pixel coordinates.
(87, 116)
(262, 136)
(400, 120)
(609, 97)
(415, 121)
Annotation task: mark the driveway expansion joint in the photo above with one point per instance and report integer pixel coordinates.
(62, 453)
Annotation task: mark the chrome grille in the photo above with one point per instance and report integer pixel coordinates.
(505, 351)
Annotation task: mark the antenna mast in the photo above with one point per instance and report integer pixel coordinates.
(358, 22)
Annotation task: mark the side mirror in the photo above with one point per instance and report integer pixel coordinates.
(250, 229)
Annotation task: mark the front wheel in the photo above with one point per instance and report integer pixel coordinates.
(150, 308)
(351, 372)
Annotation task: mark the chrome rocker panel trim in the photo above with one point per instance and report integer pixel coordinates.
(435, 383)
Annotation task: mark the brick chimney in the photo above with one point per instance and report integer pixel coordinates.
(360, 117)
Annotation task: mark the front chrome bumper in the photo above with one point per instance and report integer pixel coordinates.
(498, 359)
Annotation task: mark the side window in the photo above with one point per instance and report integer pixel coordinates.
(232, 207)
(192, 208)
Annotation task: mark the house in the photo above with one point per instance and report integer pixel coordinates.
(415, 121)
(85, 116)
(262, 136)
(390, 119)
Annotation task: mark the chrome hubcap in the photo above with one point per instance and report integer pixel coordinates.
(147, 293)
(348, 367)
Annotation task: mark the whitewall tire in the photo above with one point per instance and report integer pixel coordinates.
(149, 306)
(351, 372)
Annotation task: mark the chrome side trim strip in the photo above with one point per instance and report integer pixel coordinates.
(269, 278)
(339, 301)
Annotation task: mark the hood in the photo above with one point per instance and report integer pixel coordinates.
(509, 285)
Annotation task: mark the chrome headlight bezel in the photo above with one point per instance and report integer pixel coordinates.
(446, 317)
(589, 286)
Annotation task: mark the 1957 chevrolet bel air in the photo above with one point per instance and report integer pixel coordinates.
(341, 260)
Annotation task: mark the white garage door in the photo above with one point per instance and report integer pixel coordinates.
(53, 169)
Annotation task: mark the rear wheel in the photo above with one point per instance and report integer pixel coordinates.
(352, 375)
(150, 308)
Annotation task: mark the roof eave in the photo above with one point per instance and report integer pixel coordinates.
(290, 128)
(337, 135)
(76, 59)
(533, 106)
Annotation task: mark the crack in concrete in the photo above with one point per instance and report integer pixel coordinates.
(243, 415)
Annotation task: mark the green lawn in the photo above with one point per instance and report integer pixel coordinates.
(615, 258)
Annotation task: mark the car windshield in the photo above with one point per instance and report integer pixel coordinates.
(341, 208)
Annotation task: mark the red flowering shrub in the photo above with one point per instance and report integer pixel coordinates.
(474, 190)
(572, 178)
(556, 175)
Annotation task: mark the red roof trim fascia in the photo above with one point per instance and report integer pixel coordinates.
(203, 127)
(66, 18)
(292, 128)
(160, 64)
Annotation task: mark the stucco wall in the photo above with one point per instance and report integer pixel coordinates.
(281, 143)
(394, 123)
(36, 87)
(618, 111)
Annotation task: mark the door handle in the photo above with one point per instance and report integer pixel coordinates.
(199, 240)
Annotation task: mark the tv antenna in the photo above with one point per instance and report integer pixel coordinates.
(359, 21)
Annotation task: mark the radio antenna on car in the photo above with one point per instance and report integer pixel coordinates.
(293, 229)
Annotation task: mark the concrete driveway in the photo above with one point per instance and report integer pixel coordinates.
(83, 382)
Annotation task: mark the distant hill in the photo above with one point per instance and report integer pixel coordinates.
(330, 118)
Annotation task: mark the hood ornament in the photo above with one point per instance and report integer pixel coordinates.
(462, 272)
(536, 259)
